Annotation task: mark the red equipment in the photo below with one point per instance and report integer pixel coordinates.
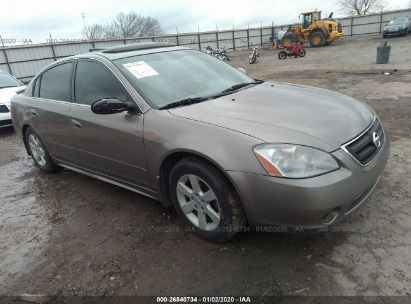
(292, 50)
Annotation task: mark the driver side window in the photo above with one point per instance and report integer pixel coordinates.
(306, 21)
(94, 82)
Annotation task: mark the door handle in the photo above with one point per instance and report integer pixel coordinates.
(34, 112)
(76, 123)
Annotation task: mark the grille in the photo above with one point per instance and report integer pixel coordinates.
(6, 122)
(4, 109)
(365, 147)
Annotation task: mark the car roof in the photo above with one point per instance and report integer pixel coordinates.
(130, 50)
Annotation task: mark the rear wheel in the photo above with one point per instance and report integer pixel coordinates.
(317, 39)
(289, 38)
(302, 53)
(39, 152)
(282, 55)
(205, 201)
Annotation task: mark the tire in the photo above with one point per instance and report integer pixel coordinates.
(282, 55)
(384, 36)
(289, 38)
(39, 153)
(317, 39)
(215, 216)
(302, 53)
(252, 59)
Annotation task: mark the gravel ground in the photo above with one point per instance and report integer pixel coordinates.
(67, 234)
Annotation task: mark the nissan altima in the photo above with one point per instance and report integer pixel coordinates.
(224, 149)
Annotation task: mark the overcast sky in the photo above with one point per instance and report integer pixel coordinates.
(36, 19)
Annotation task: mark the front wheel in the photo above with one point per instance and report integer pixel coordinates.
(252, 58)
(282, 55)
(317, 39)
(302, 53)
(205, 200)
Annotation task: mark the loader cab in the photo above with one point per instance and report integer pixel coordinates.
(310, 18)
(306, 20)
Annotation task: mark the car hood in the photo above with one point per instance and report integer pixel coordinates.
(285, 113)
(7, 93)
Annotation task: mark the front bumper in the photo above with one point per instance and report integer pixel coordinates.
(312, 202)
(5, 120)
(394, 33)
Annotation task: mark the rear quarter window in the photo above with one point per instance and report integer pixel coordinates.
(36, 87)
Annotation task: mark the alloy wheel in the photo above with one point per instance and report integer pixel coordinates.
(198, 202)
(37, 150)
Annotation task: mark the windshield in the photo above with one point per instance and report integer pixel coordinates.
(166, 77)
(7, 81)
(397, 22)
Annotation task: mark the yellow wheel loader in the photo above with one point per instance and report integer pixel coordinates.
(318, 32)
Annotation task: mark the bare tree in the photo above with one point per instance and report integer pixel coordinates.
(361, 7)
(133, 25)
(95, 31)
(124, 26)
(151, 27)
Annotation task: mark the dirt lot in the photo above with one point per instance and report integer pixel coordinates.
(67, 234)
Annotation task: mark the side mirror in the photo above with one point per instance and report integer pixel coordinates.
(242, 70)
(112, 106)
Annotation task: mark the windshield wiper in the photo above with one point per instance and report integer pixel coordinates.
(184, 102)
(240, 85)
(192, 100)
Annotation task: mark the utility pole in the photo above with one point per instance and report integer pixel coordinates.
(177, 40)
(84, 23)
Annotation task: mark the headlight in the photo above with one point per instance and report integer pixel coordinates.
(293, 161)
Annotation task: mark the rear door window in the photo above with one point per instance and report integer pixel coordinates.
(56, 83)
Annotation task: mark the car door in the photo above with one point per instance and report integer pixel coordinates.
(113, 144)
(49, 111)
